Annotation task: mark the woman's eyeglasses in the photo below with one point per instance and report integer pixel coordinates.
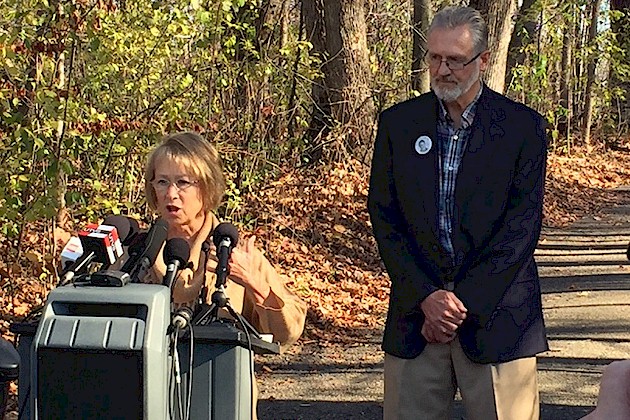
(181, 184)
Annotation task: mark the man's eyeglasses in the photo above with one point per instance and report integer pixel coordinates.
(435, 61)
(181, 184)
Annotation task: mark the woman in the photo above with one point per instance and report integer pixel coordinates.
(185, 184)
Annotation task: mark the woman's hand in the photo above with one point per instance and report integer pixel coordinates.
(204, 232)
(242, 270)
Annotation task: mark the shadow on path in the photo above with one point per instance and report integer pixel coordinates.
(368, 410)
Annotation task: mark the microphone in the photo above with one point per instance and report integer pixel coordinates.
(73, 249)
(115, 277)
(225, 237)
(181, 317)
(100, 243)
(122, 225)
(70, 253)
(134, 231)
(176, 255)
(134, 250)
(144, 253)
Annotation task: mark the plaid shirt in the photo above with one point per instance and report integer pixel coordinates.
(451, 146)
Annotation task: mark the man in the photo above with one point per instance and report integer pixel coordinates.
(455, 200)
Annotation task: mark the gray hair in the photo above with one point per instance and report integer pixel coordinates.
(455, 16)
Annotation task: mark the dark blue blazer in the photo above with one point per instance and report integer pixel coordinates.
(497, 222)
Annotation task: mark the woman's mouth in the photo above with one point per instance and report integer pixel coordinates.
(172, 209)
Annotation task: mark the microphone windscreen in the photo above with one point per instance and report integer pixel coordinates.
(137, 243)
(177, 249)
(122, 225)
(134, 229)
(225, 230)
(155, 239)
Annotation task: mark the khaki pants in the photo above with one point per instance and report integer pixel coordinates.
(424, 388)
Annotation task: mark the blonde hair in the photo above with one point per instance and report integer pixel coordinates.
(198, 157)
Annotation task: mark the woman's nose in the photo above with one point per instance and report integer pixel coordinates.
(172, 191)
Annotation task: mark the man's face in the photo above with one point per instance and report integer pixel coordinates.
(453, 46)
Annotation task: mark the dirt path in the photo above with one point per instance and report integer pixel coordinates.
(586, 295)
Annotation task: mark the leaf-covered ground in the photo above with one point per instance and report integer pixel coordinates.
(314, 226)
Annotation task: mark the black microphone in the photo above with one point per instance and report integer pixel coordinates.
(176, 255)
(122, 225)
(225, 237)
(134, 230)
(119, 278)
(134, 251)
(126, 228)
(139, 262)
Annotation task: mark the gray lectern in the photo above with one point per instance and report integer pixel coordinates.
(101, 353)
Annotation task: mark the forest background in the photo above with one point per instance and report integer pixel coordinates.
(289, 91)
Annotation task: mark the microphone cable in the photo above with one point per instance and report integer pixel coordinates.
(181, 321)
(173, 378)
(190, 371)
(250, 355)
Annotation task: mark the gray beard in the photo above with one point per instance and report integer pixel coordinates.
(452, 94)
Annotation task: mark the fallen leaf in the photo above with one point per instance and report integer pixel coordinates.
(339, 228)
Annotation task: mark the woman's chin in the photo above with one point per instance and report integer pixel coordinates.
(172, 216)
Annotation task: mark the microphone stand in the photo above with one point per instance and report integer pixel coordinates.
(210, 313)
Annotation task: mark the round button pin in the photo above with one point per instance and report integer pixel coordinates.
(423, 145)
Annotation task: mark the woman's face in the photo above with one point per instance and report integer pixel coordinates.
(178, 193)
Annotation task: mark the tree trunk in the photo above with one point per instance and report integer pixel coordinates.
(498, 15)
(61, 185)
(319, 125)
(348, 77)
(580, 42)
(566, 69)
(272, 24)
(590, 76)
(619, 28)
(422, 15)
(523, 35)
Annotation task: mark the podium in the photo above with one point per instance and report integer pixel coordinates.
(103, 353)
(9, 365)
(222, 371)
